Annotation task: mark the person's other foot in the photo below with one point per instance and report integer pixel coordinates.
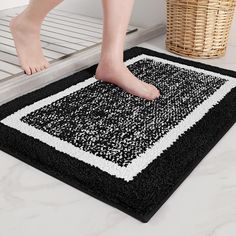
(123, 78)
(26, 36)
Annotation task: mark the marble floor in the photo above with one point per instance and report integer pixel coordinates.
(33, 203)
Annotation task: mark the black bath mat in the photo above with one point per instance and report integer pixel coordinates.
(121, 149)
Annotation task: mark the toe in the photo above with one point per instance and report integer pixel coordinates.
(33, 69)
(155, 91)
(26, 70)
(46, 65)
(37, 68)
(41, 67)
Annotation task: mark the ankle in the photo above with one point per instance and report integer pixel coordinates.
(107, 70)
(112, 56)
(22, 22)
(111, 63)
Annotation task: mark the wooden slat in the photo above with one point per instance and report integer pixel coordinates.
(46, 45)
(57, 48)
(52, 27)
(48, 54)
(54, 35)
(62, 43)
(6, 41)
(66, 38)
(79, 22)
(52, 54)
(8, 49)
(5, 34)
(9, 58)
(75, 35)
(9, 67)
(49, 43)
(4, 75)
(4, 22)
(73, 25)
(71, 15)
(73, 30)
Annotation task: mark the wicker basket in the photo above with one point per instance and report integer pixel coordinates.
(199, 28)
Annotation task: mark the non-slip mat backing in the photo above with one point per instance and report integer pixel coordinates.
(124, 150)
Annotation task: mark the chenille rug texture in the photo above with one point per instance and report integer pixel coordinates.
(123, 150)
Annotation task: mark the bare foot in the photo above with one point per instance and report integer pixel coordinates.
(122, 77)
(27, 41)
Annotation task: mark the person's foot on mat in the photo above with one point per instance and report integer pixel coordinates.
(120, 75)
(26, 36)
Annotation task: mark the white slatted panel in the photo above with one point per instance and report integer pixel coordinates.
(72, 25)
(3, 75)
(9, 58)
(48, 54)
(73, 20)
(70, 15)
(62, 34)
(9, 68)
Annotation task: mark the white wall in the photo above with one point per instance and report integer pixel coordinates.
(149, 12)
(4, 4)
(146, 12)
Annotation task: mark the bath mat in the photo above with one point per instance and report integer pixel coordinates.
(123, 150)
